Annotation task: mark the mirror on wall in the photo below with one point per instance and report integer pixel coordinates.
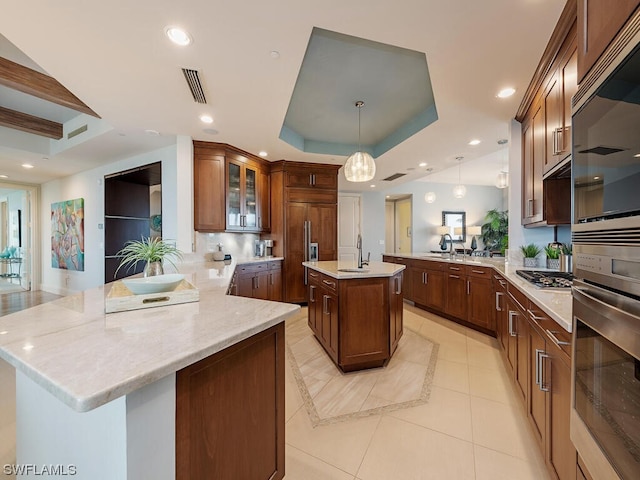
(456, 222)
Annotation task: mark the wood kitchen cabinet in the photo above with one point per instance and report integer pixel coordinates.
(357, 321)
(407, 281)
(259, 280)
(480, 293)
(599, 21)
(428, 284)
(302, 193)
(456, 303)
(533, 154)
(231, 189)
(209, 187)
(230, 415)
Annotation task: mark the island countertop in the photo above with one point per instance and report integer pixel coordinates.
(556, 303)
(87, 358)
(342, 270)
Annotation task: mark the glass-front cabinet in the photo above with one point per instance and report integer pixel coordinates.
(242, 196)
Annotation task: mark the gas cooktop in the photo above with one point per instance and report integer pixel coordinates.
(547, 279)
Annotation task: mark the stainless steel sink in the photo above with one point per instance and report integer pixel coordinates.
(354, 270)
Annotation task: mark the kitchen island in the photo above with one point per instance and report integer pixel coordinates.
(155, 393)
(356, 313)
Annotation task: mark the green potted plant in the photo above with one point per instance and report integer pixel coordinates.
(495, 231)
(153, 251)
(553, 256)
(530, 253)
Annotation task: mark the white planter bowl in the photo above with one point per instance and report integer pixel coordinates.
(156, 284)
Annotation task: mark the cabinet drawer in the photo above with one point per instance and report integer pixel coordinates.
(310, 195)
(518, 297)
(553, 331)
(277, 265)
(329, 283)
(479, 271)
(311, 179)
(456, 269)
(430, 265)
(252, 268)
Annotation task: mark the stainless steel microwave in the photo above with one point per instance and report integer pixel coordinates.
(606, 147)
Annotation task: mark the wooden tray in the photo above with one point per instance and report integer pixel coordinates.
(120, 298)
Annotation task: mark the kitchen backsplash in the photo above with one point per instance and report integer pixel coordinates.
(235, 244)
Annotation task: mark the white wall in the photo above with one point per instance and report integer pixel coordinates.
(89, 185)
(425, 216)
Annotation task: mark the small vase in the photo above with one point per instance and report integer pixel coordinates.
(530, 262)
(553, 263)
(151, 269)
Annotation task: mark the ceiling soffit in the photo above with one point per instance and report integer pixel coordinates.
(338, 70)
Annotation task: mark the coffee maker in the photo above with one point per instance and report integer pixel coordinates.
(268, 245)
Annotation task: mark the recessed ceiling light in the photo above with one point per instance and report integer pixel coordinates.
(263, 153)
(210, 131)
(4, 176)
(637, 155)
(422, 164)
(275, 54)
(178, 36)
(506, 92)
(388, 196)
(153, 133)
(372, 186)
(596, 178)
(475, 141)
(27, 165)
(206, 118)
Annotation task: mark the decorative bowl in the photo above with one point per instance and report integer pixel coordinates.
(155, 284)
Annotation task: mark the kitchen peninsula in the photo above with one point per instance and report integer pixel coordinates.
(356, 313)
(134, 394)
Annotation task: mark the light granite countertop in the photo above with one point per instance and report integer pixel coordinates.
(341, 270)
(556, 303)
(87, 358)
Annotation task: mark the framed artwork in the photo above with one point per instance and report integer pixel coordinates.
(67, 235)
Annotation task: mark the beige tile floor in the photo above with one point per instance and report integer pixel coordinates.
(473, 426)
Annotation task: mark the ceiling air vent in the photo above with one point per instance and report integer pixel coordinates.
(602, 150)
(393, 177)
(193, 80)
(76, 132)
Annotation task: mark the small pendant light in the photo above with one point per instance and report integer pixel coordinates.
(360, 166)
(459, 190)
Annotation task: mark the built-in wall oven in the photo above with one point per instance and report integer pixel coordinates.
(605, 415)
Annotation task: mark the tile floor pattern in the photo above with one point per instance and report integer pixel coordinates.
(472, 427)
(331, 396)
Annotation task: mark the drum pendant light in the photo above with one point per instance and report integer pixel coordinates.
(360, 166)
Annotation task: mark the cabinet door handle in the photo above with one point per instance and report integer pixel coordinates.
(479, 271)
(538, 352)
(325, 304)
(512, 314)
(424, 277)
(331, 284)
(556, 340)
(314, 275)
(534, 316)
(468, 287)
(543, 384)
(312, 293)
(398, 286)
(271, 278)
(454, 268)
(498, 295)
(454, 276)
(257, 282)
(530, 207)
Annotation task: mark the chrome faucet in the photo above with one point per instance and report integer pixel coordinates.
(451, 252)
(361, 262)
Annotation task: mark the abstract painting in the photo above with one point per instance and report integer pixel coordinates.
(67, 235)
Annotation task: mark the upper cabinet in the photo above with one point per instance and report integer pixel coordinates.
(231, 190)
(208, 187)
(599, 21)
(545, 114)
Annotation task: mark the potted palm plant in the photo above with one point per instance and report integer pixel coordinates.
(153, 251)
(553, 256)
(530, 253)
(495, 231)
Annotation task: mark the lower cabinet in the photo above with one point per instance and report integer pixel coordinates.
(428, 284)
(230, 420)
(259, 280)
(357, 321)
(537, 352)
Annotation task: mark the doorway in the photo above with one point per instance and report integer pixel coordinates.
(15, 240)
(348, 226)
(398, 224)
(132, 210)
